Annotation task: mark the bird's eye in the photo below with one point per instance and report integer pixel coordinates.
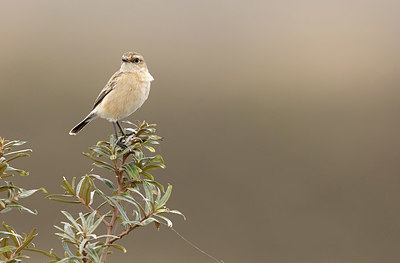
(137, 60)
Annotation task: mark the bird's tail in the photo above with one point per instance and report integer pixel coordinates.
(82, 124)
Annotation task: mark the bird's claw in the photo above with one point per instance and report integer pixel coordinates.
(129, 134)
(121, 144)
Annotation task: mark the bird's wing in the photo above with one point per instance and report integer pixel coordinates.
(108, 88)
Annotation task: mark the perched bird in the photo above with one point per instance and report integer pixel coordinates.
(124, 93)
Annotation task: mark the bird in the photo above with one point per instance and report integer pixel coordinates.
(124, 93)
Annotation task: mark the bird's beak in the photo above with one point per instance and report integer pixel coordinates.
(124, 60)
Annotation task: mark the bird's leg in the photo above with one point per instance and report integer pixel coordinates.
(119, 140)
(124, 134)
(120, 128)
(115, 130)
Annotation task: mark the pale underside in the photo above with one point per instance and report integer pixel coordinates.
(128, 94)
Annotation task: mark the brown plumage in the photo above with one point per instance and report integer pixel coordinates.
(124, 93)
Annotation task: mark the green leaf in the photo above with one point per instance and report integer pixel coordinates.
(73, 183)
(49, 254)
(11, 234)
(154, 142)
(155, 183)
(117, 247)
(21, 208)
(131, 200)
(100, 151)
(67, 186)
(112, 141)
(82, 245)
(18, 156)
(85, 188)
(72, 220)
(20, 151)
(107, 182)
(176, 212)
(95, 224)
(151, 149)
(169, 222)
(148, 176)
(60, 195)
(7, 187)
(64, 201)
(65, 236)
(19, 171)
(132, 170)
(66, 248)
(14, 236)
(3, 243)
(16, 259)
(107, 167)
(92, 253)
(5, 176)
(83, 222)
(27, 241)
(166, 196)
(26, 193)
(154, 159)
(113, 202)
(3, 167)
(148, 221)
(6, 249)
(121, 210)
(104, 196)
(101, 205)
(151, 167)
(14, 143)
(98, 161)
(138, 155)
(137, 192)
(148, 188)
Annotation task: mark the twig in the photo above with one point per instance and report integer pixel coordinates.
(124, 233)
(91, 209)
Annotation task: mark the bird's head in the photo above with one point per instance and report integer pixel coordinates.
(132, 61)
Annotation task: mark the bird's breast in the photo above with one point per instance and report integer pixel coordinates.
(126, 97)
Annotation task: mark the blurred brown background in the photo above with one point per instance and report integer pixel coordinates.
(280, 117)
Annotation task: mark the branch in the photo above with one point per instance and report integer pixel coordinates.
(110, 226)
(126, 232)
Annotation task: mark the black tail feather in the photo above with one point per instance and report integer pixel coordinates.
(82, 124)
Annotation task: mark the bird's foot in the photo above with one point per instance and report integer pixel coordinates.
(129, 134)
(121, 144)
